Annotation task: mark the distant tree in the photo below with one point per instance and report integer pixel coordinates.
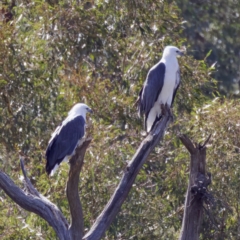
(214, 27)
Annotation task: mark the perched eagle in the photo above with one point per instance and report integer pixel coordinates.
(66, 137)
(160, 86)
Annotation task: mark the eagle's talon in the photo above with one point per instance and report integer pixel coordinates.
(163, 108)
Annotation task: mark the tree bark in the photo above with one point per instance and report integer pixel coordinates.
(198, 182)
(76, 162)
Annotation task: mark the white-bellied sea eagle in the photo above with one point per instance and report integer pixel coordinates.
(160, 87)
(66, 137)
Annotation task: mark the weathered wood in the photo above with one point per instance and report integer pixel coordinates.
(112, 208)
(76, 162)
(193, 210)
(33, 201)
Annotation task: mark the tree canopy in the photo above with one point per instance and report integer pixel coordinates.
(55, 53)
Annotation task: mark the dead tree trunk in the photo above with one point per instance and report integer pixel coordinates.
(197, 190)
(31, 200)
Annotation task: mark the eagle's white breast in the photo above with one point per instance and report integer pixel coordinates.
(166, 95)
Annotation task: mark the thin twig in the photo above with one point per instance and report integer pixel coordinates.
(206, 141)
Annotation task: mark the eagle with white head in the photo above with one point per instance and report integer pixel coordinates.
(66, 137)
(160, 87)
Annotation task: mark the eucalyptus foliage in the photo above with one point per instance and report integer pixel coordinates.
(56, 53)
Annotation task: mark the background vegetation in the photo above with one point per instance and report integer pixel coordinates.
(55, 53)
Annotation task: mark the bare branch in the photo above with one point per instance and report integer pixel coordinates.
(112, 208)
(36, 203)
(76, 162)
(187, 143)
(206, 141)
(33, 201)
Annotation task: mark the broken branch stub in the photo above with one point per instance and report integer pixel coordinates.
(197, 191)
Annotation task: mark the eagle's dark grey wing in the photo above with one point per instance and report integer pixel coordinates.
(151, 88)
(177, 83)
(64, 141)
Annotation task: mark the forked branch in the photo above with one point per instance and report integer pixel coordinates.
(31, 200)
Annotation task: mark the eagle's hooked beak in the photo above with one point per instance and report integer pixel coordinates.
(181, 53)
(90, 110)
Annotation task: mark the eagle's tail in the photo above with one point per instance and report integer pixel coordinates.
(152, 117)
